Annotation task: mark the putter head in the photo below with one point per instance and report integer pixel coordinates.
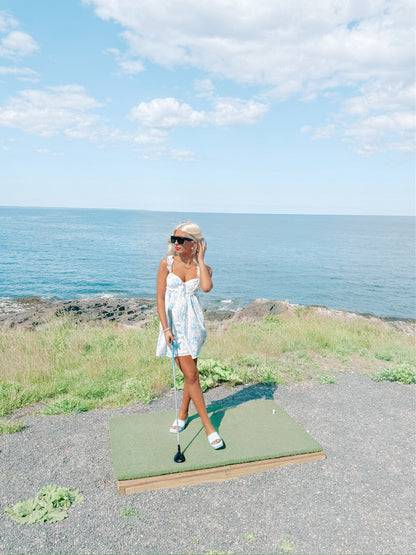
(179, 457)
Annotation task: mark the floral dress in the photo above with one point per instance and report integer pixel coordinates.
(184, 316)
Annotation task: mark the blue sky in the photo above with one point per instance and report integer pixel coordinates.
(210, 106)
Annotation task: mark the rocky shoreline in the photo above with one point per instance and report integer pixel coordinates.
(31, 312)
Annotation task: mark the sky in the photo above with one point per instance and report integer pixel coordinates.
(251, 106)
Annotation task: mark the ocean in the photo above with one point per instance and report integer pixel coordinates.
(362, 264)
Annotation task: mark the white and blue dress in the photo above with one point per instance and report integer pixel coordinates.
(184, 316)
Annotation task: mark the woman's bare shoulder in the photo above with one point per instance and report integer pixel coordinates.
(163, 264)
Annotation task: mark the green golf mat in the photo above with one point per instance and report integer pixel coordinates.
(143, 449)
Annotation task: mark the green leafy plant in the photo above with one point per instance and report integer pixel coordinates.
(130, 512)
(286, 546)
(212, 373)
(249, 537)
(403, 373)
(131, 516)
(49, 505)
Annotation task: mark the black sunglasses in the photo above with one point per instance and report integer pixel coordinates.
(180, 240)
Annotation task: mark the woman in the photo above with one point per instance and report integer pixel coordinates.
(179, 278)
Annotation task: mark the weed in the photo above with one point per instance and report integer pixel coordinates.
(49, 505)
(383, 356)
(7, 427)
(249, 537)
(67, 406)
(212, 373)
(402, 373)
(130, 513)
(325, 378)
(286, 546)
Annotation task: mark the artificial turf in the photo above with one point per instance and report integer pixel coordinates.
(142, 445)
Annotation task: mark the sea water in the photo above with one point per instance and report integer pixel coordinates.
(357, 263)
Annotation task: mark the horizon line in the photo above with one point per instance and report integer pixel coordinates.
(207, 212)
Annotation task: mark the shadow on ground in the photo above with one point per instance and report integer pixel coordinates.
(217, 409)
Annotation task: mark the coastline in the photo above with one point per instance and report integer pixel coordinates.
(31, 312)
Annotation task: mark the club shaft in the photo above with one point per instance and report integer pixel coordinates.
(176, 396)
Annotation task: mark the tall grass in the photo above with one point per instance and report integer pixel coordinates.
(305, 331)
(75, 367)
(93, 365)
(306, 343)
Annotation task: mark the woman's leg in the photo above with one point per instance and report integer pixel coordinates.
(192, 390)
(186, 398)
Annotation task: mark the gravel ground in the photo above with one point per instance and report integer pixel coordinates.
(361, 499)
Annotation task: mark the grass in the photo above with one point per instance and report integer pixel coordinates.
(305, 343)
(7, 427)
(74, 367)
(71, 367)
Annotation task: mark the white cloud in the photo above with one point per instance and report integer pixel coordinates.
(14, 45)
(48, 112)
(233, 111)
(7, 22)
(383, 132)
(68, 110)
(381, 118)
(204, 87)
(17, 44)
(325, 132)
(168, 113)
(183, 155)
(47, 152)
(150, 136)
(128, 65)
(289, 49)
(22, 73)
(267, 42)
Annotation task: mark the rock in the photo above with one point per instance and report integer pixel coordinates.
(27, 313)
(260, 308)
(33, 313)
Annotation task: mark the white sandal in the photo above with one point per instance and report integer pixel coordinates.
(215, 437)
(178, 426)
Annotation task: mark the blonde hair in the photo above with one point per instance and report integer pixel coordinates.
(192, 230)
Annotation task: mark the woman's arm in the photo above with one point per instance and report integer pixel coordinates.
(205, 272)
(162, 275)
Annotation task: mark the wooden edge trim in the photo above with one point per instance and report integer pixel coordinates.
(218, 474)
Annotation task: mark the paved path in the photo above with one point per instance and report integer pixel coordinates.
(361, 499)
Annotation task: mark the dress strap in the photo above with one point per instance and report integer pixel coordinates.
(170, 262)
(197, 269)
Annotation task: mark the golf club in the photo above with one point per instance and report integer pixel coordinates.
(179, 457)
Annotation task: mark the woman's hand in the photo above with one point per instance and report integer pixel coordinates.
(205, 272)
(202, 247)
(169, 337)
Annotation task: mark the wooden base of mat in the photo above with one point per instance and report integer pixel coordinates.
(219, 474)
